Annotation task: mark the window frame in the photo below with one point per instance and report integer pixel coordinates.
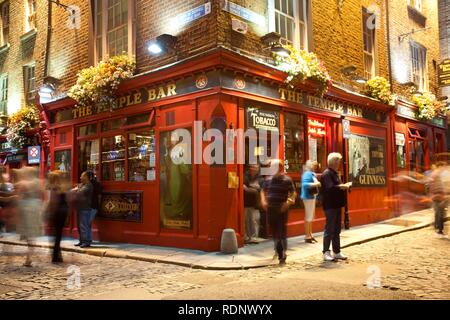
(4, 29)
(27, 80)
(123, 131)
(369, 74)
(131, 37)
(416, 4)
(299, 41)
(422, 63)
(30, 15)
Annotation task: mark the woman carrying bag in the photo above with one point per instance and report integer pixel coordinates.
(310, 189)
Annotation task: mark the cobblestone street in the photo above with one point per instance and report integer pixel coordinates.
(411, 265)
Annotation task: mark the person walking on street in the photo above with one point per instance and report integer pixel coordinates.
(252, 203)
(310, 189)
(57, 210)
(277, 195)
(439, 197)
(334, 199)
(82, 196)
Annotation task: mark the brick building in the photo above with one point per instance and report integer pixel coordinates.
(217, 68)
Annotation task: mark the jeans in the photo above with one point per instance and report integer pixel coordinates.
(85, 218)
(252, 218)
(332, 230)
(278, 224)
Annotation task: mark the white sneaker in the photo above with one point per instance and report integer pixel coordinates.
(327, 256)
(339, 256)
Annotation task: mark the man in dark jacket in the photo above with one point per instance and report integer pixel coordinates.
(276, 199)
(83, 201)
(252, 203)
(334, 198)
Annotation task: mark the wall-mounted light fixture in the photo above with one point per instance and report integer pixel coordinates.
(49, 89)
(162, 44)
(272, 42)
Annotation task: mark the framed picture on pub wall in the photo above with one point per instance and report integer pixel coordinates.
(62, 161)
(366, 161)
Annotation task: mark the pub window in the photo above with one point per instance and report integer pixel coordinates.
(4, 23)
(289, 18)
(87, 130)
(111, 125)
(317, 148)
(294, 142)
(416, 145)
(419, 72)
(3, 94)
(30, 15)
(113, 158)
(29, 83)
(141, 156)
(369, 43)
(88, 158)
(113, 28)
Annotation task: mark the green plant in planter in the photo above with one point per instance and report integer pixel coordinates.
(19, 123)
(428, 105)
(301, 65)
(379, 88)
(97, 84)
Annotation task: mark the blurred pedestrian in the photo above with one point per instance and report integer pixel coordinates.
(58, 210)
(81, 195)
(29, 206)
(334, 199)
(439, 197)
(277, 196)
(310, 189)
(252, 203)
(6, 202)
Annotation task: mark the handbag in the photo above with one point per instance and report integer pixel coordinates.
(313, 190)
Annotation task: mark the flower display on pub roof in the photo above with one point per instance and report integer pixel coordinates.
(302, 65)
(428, 106)
(19, 123)
(379, 88)
(97, 84)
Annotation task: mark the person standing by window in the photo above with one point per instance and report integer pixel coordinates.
(252, 202)
(310, 189)
(82, 196)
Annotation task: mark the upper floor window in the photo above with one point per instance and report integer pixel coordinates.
(419, 72)
(113, 28)
(4, 23)
(369, 43)
(29, 83)
(289, 18)
(417, 4)
(30, 15)
(3, 93)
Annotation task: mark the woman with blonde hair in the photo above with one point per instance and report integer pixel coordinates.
(57, 209)
(310, 189)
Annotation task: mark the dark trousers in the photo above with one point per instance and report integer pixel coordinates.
(439, 215)
(278, 224)
(332, 230)
(59, 220)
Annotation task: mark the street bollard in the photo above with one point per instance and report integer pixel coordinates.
(228, 243)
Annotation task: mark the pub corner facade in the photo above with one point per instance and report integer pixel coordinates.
(221, 74)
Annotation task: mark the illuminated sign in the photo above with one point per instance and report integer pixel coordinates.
(444, 73)
(316, 127)
(262, 119)
(125, 206)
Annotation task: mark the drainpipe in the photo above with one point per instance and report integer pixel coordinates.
(49, 34)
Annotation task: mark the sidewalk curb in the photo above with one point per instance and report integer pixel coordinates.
(146, 258)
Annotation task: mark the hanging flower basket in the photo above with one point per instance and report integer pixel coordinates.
(20, 124)
(379, 88)
(429, 107)
(97, 85)
(300, 66)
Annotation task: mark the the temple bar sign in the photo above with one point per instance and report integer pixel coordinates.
(444, 73)
(137, 97)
